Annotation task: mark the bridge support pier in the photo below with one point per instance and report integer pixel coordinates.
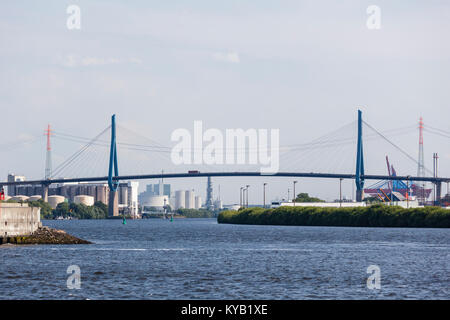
(438, 193)
(359, 180)
(113, 204)
(113, 201)
(45, 192)
(359, 195)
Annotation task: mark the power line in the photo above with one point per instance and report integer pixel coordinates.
(394, 145)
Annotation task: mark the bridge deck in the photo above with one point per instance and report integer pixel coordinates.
(228, 174)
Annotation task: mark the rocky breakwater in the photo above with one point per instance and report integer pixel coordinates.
(44, 235)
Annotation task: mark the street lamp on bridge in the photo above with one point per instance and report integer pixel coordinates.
(247, 194)
(264, 194)
(294, 197)
(241, 195)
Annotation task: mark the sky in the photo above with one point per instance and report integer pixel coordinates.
(303, 67)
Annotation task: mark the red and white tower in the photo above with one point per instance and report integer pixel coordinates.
(48, 160)
(421, 165)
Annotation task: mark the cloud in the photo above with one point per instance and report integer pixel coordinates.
(72, 61)
(92, 61)
(25, 137)
(232, 57)
(69, 61)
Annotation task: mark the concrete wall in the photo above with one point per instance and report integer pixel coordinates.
(17, 219)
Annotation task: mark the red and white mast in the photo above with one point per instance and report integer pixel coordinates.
(48, 160)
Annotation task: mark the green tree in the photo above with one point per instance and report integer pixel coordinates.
(102, 207)
(62, 210)
(197, 213)
(372, 200)
(80, 211)
(377, 215)
(46, 209)
(304, 197)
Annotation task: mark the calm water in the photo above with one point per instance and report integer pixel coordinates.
(200, 259)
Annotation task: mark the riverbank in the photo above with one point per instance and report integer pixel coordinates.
(44, 235)
(371, 216)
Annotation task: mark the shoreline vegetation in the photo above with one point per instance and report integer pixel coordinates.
(370, 216)
(68, 210)
(99, 210)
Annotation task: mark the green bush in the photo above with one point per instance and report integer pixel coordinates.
(46, 209)
(80, 211)
(371, 216)
(196, 213)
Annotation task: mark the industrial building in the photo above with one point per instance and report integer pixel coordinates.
(190, 199)
(198, 202)
(155, 197)
(127, 193)
(159, 189)
(180, 199)
(186, 199)
(12, 189)
(155, 203)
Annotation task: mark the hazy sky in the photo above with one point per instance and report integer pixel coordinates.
(300, 66)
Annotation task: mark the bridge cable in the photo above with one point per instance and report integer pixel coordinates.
(395, 146)
(74, 156)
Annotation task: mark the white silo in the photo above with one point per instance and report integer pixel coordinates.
(20, 198)
(198, 202)
(53, 201)
(180, 199)
(34, 198)
(156, 201)
(218, 204)
(172, 202)
(83, 199)
(190, 199)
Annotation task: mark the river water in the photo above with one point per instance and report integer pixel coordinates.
(200, 259)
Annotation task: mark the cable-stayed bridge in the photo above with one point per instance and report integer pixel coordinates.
(343, 148)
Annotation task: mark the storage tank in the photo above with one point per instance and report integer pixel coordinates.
(83, 199)
(198, 202)
(156, 201)
(218, 204)
(180, 199)
(190, 199)
(34, 198)
(19, 198)
(53, 201)
(172, 202)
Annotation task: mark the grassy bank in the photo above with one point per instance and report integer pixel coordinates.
(371, 216)
(197, 213)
